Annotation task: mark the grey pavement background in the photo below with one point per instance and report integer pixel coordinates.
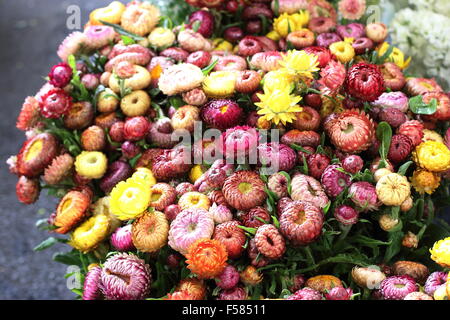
(30, 31)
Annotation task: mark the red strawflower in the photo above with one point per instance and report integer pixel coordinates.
(323, 55)
(364, 81)
(27, 190)
(136, 128)
(55, 103)
(413, 129)
(353, 164)
(207, 258)
(252, 219)
(60, 75)
(317, 163)
(270, 242)
(401, 147)
(351, 131)
(301, 223)
(232, 237)
(222, 114)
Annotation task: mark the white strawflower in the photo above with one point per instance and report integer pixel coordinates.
(180, 78)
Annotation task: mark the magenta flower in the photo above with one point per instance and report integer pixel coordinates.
(364, 196)
(125, 277)
(121, 239)
(91, 287)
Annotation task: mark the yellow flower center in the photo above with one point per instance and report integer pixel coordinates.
(34, 150)
(245, 187)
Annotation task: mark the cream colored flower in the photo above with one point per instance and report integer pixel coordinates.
(180, 78)
(393, 189)
(161, 37)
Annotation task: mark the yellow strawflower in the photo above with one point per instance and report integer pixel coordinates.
(222, 45)
(89, 234)
(300, 63)
(440, 252)
(433, 156)
(145, 176)
(287, 23)
(91, 164)
(278, 106)
(281, 79)
(273, 35)
(194, 200)
(397, 56)
(129, 199)
(343, 50)
(196, 172)
(220, 84)
(425, 181)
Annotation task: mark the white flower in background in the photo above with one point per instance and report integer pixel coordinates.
(420, 33)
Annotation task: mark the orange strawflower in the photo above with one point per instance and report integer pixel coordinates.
(207, 258)
(193, 287)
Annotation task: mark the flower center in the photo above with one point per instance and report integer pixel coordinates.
(223, 109)
(156, 196)
(245, 187)
(34, 150)
(301, 217)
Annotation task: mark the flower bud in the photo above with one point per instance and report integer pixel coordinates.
(161, 37)
(93, 139)
(410, 240)
(377, 32)
(369, 277)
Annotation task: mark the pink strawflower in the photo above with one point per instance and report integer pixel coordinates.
(239, 142)
(306, 294)
(220, 213)
(339, 293)
(229, 278)
(71, 45)
(236, 293)
(346, 215)
(125, 277)
(364, 195)
(99, 36)
(434, 281)
(91, 286)
(333, 76)
(352, 9)
(397, 287)
(190, 225)
(334, 181)
(277, 156)
(122, 240)
(397, 100)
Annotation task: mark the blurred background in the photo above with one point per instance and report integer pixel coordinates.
(30, 32)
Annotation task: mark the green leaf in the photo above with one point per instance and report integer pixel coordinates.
(327, 208)
(176, 102)
(404, 168)
(249, 230)
(207, 70)
(276, 8)
(300, 148)
(395, 238)
(122, 31)
(127, 40)
(418, 106)
(384, 135)
(47, 243)
(68, 258)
